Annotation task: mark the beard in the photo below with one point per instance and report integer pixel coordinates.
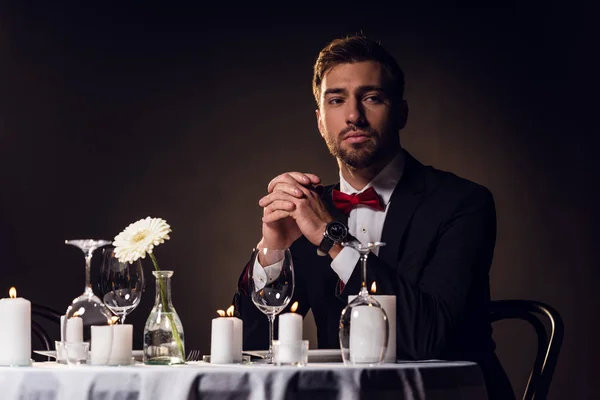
(366, 154)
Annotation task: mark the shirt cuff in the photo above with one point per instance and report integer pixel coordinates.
(265, 275)
(343, 264)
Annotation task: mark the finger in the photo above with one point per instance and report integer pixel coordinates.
(275, 216)
(277, 195)
(314, 179)
(290, 177)
(291, 189)
(279, 205)
(285, 178)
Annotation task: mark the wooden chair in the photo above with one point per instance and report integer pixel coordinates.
(549, 340)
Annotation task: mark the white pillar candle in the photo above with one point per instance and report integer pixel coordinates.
(122, 345)
(388, 303)
(290, 338)
(100, 344)
(290, 327)
(221, 341)
(238, 338)
(367, 332)
(15, 331)
(112, 345)
(74, 330)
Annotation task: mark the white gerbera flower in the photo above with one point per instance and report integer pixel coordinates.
(140, 238)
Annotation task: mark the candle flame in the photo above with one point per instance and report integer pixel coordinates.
(230, 311)
(113, 320)
(221, 313)
(294, 306)
(373, 287)
(12, 292)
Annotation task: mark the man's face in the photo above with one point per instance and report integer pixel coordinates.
(357, 117)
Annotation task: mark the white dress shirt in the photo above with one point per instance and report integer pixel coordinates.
(366, 223)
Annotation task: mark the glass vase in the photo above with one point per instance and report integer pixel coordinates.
(364, 326)
(163, 333)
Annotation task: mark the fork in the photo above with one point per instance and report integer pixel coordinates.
(194, 355)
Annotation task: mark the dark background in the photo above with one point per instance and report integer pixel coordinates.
(111, 114)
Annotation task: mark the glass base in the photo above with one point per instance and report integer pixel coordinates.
(164, 360)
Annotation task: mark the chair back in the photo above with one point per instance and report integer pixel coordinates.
(48, 314)
(549, 340)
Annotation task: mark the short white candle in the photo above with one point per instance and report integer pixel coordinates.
(15, 331)
(366, 334)
(238, 334)
(221, 341)
(238, 338)
(290, 327)
(74, 330)
(290, 337)
(112, 345)
(388, 303)
(122, 345)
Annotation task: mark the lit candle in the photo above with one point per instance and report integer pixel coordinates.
(368, 328)
(290, 336)
(238, 335)
(15, 330)
(221, 339)
(290, 326)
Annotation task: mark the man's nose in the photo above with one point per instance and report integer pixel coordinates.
(354, 113)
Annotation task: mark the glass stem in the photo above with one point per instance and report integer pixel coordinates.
(363, 260)
(122, 319)
(88, 267)
(271, 323)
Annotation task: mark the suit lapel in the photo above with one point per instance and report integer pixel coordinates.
(407, 196)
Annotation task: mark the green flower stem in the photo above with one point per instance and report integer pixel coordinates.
(163, 298)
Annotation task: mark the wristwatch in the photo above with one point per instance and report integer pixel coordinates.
(335, 232)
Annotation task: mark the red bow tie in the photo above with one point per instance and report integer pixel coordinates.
(346, 202)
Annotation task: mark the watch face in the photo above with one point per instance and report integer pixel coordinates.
(337, 231)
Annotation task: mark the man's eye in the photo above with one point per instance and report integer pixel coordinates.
(335, 100)
(373, 99)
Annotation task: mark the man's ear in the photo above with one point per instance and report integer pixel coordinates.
(402, 114)
(320, 122)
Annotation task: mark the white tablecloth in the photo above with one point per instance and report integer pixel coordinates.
(425, 380)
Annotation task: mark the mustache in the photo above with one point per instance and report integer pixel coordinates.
(353, 128)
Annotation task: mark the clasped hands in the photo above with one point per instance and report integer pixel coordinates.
(292, 208)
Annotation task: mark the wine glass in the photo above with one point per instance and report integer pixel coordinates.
(364, 326)
(88, 307)
(271, 285)
(121, 283)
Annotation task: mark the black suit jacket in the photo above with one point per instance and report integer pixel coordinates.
(440, 233)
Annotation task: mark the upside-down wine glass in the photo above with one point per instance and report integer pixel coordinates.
(271, 285)
(364, 326)
(88, 307)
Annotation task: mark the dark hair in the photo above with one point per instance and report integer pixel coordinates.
(353, 49)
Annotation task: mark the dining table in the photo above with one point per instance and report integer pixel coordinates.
(431, 379)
